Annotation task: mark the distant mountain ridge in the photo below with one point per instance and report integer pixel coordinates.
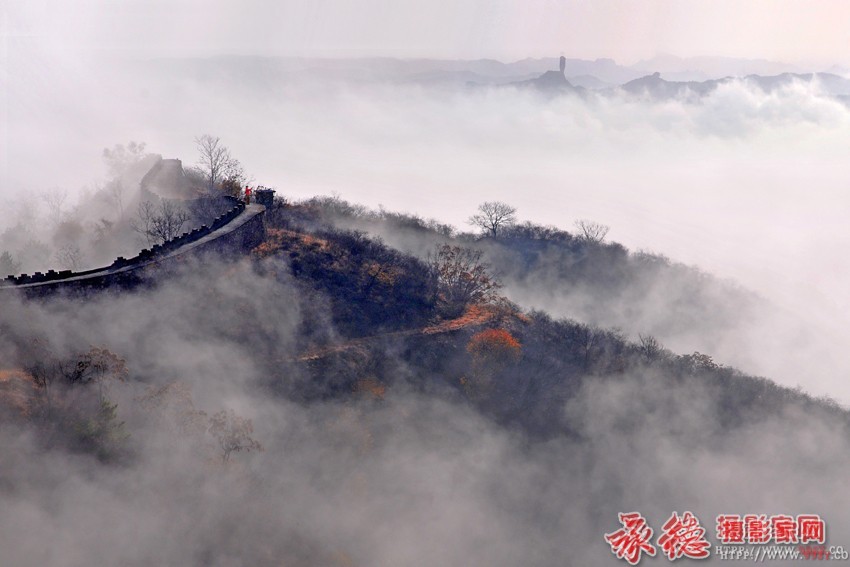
(658, 78)
(707, 68)
(657, 88)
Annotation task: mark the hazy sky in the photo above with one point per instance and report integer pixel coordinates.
(627, 30)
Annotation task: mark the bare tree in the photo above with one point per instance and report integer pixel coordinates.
(50, 370)
(462, 279)
(650, 347)
(69, 257)
(55, 201)
(234, 179)
(592, 231)
(160, 224)
(232, 433)
(587, 339)
(216, 163)
(493, 216)
(97, 366)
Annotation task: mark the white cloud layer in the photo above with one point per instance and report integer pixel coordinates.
(746, 184)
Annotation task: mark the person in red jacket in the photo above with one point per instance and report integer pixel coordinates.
(247, 195)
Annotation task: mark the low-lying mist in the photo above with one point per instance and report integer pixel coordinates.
(407, 479)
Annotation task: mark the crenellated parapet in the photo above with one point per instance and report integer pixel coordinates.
(239, 228)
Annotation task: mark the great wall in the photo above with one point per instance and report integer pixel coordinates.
(237, 230)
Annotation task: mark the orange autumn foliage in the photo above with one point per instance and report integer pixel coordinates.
(278, 239)
(496, 345)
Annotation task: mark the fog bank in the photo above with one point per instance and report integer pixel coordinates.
(745, 184)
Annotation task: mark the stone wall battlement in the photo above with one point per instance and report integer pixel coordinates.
(238, 229)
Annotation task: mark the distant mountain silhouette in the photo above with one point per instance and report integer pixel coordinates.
(655, 87)
(550, 81)
(684, 78)
(590, 82)
(706, 68)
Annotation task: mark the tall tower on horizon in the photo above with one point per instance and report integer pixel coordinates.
(563, 64)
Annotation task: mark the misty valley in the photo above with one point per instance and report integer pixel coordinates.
(480, 313)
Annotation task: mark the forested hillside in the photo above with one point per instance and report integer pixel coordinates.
(333, 369)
